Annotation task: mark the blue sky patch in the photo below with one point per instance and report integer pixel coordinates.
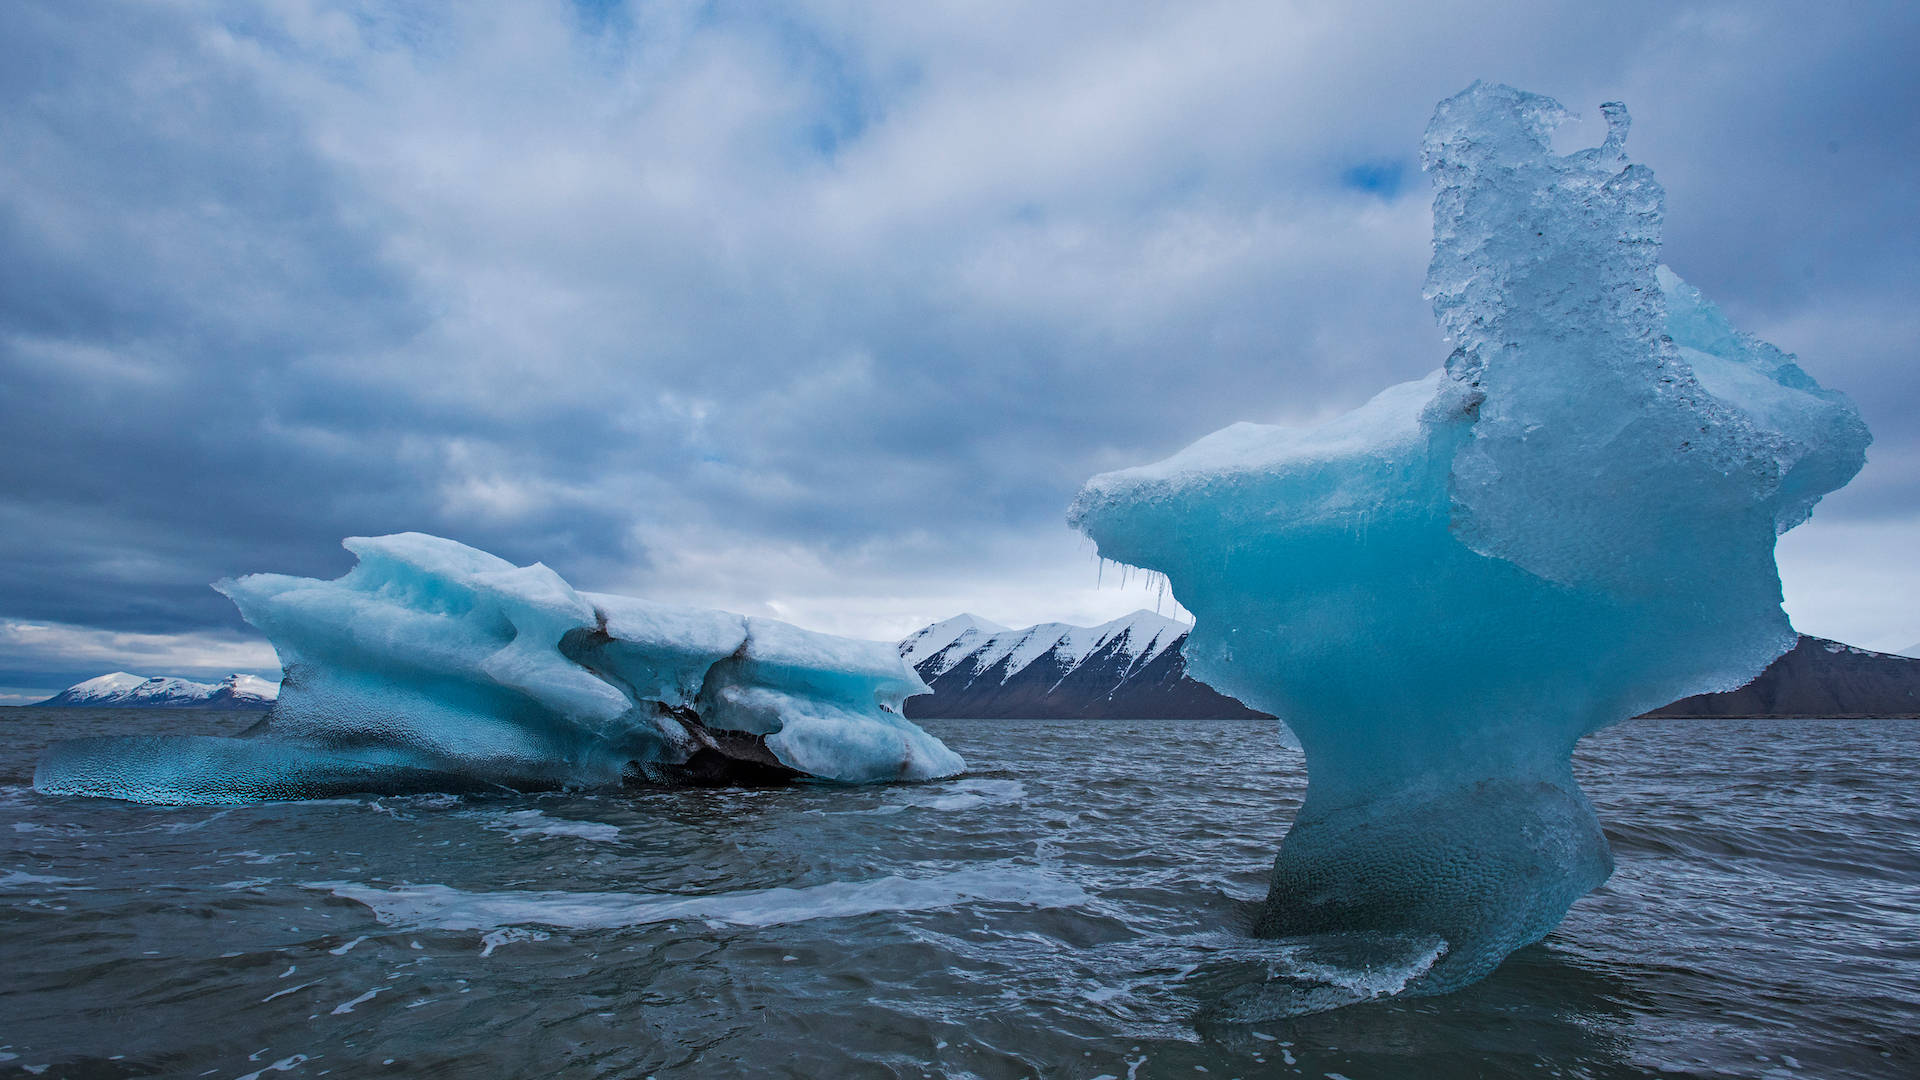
(1382, 178)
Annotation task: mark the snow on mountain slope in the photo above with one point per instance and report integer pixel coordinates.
(111, 687)
(1137, 638)
(1130, 667)
(964, 630)
(120, 690)
(251, 688)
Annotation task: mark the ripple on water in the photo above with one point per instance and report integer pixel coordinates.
(1074, 907)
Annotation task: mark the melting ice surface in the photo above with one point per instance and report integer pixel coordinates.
(1440, 592)
(432, 666)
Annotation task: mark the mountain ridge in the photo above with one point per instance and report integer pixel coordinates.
(1128, 668)
(1132, 668)
(121, 690)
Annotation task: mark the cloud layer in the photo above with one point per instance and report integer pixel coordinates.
(827, 313)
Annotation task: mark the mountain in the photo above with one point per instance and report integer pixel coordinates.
(123, 691)
(1130, 668)
(1817, 677)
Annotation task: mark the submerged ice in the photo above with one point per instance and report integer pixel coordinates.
(1572, 522)
(432, 666)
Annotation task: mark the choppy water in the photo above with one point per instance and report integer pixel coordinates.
(1071, 908)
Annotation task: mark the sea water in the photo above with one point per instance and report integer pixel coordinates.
(1076, 905)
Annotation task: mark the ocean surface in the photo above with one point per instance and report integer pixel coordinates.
(1073, 907)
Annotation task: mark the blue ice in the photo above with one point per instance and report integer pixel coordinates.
(433, 666)
(1570, 523)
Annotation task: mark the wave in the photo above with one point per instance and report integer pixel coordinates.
(441, 907)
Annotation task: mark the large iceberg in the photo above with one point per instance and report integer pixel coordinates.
(1440, 592)
(432, 666)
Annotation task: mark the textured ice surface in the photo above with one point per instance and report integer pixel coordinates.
(432, 666)
(1440, 592)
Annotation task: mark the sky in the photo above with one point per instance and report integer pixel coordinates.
(824, 310)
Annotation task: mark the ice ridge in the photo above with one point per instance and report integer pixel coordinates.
(433, 666)
(1571, 523)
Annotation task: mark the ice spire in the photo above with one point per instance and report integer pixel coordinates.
(1441, 592)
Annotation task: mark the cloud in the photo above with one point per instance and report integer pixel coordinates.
(831, 306)
(1840, 583)
(55, 656)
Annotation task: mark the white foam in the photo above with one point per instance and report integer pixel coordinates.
(1377, 976)
(290, 990)
(1329, 971)
(440, 907)
(17, 878)
(952, 795)
(507, 936)
(285, 1064)
(522, 824)
(348, 1006)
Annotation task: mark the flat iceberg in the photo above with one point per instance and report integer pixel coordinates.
(1440, 592)
(432, 666)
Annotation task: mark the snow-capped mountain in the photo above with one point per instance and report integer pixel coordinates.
(963, 629)
(1130, 668)
(120, 690)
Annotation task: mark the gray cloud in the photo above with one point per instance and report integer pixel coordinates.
(829, 313)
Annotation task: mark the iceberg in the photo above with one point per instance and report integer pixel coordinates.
(1571, 523)
(433, 666)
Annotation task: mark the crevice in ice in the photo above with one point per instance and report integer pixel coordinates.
(716, 758)
(701, 756)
